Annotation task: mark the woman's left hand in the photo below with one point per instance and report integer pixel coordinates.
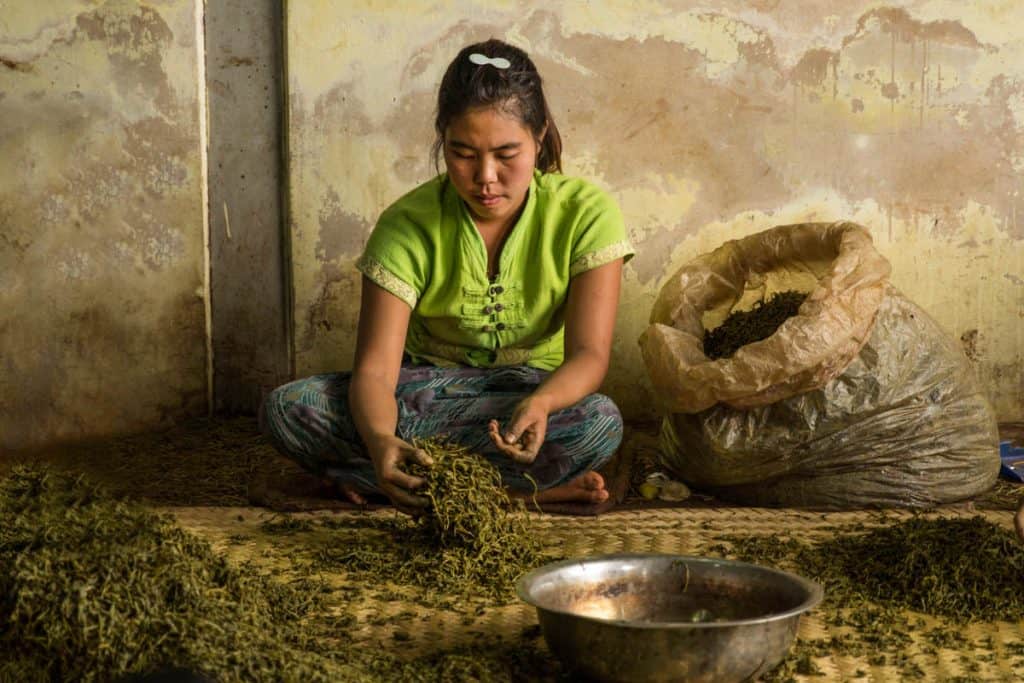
(524, 434)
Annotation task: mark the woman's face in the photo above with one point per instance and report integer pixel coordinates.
(490, 157)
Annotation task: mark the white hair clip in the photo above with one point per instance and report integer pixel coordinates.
(496, 62)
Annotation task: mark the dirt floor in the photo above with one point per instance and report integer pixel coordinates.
(221, 481)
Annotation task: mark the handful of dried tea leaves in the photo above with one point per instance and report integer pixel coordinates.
(746, 327)
(472, 540)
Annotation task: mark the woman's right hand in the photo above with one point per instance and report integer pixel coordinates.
(388, 453)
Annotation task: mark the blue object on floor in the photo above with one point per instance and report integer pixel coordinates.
(1012, 458)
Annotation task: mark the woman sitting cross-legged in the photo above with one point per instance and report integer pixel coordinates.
(488, 304)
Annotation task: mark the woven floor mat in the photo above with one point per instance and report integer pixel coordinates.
(991, 651)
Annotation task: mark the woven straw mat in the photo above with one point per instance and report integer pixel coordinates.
(682, 531)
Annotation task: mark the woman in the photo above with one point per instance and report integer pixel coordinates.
(488, 304)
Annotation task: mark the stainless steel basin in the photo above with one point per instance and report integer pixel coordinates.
(657, 617)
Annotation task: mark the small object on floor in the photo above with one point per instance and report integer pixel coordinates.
(659, 485)
(674, 491)
(701, 616)
(649, 490)
(1012, 461)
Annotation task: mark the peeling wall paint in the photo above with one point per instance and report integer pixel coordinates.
(101, 251)
(707, 122)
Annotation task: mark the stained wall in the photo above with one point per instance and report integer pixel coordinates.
(102, 275)
(706, 121)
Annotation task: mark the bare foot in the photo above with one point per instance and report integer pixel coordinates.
(586, 488)
(349, 493)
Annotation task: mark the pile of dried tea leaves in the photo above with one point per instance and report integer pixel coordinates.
(746, 327)
(471, 540)
(881, 582)
(964, 569)
(93, 588)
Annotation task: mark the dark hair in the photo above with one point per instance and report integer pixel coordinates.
(516, 90)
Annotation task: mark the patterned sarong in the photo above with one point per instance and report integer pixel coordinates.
(308, 420)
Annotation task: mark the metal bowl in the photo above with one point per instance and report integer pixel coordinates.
(656, 617)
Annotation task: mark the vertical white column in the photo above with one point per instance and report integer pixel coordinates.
(204, 142)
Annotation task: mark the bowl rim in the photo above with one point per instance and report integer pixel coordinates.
(815, 591)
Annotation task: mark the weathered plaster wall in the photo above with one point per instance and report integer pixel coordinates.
(102, 325)
(707, 121)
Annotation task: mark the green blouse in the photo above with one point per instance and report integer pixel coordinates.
(426, 250)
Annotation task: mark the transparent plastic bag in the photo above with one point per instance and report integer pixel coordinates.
(834, 263)
(902, 421)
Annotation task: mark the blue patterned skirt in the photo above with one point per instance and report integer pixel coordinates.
(308, 420)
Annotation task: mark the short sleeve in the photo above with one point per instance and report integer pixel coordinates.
(395, 257)
(601, 234)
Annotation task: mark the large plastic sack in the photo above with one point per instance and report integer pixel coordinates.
(835, 263)
(900, 421)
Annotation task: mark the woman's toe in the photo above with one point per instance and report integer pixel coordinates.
(590, 481)
(352, 495)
